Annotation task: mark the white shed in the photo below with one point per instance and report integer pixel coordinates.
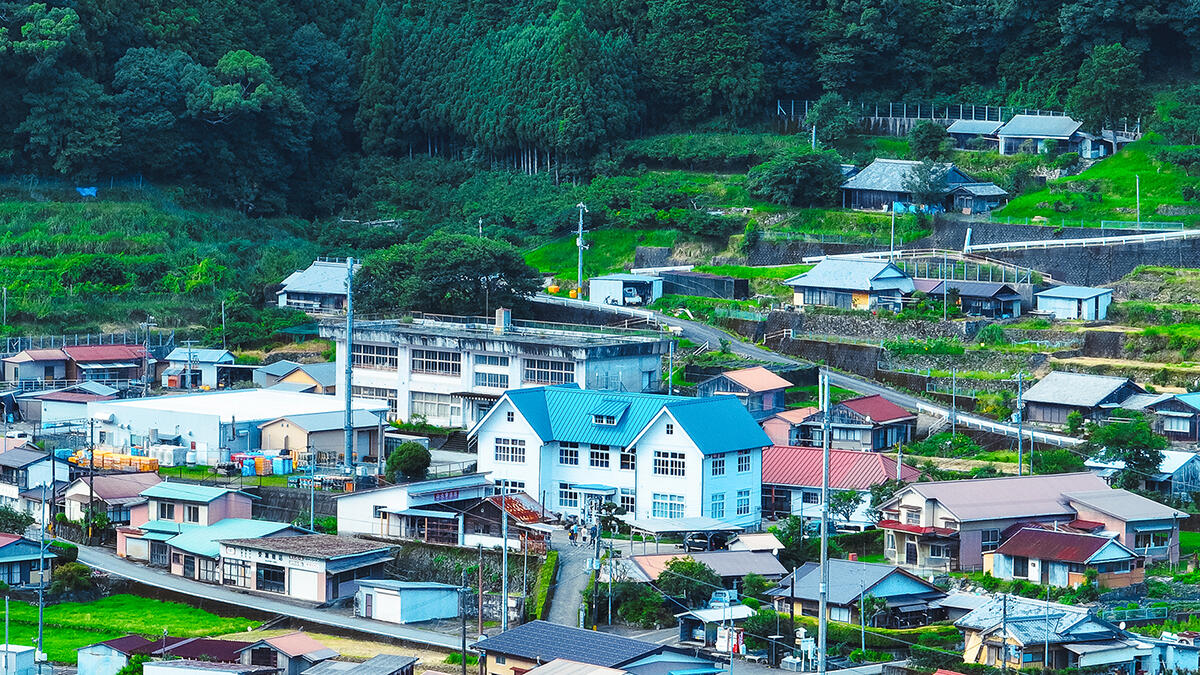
(405, 601)
(1076, 302)
(624, 289)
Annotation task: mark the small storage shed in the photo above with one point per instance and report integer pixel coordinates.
(405, 601)
(625, 289)
(1076, 302)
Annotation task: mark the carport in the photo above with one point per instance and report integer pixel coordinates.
(658, 527)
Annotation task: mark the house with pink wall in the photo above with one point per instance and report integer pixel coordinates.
(1143, 525)
(172, 508)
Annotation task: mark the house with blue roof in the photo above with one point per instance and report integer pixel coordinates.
(657, 456)
(202, 371)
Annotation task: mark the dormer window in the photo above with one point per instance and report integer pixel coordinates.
(604, 420)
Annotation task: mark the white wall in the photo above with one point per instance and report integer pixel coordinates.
(690, 485)
(54, 412)
(496, 425)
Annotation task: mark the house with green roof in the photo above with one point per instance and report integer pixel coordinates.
(195, 552)
(169, 508)
(661, 458)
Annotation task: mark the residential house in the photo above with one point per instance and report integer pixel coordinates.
(971, 198)
(729, 565)
(25, 467)
(949, 525)
(993, 300)
(214, 424)
(1149, 528)
(311, 567)
(711, 626)
(430, 510)
(320, 288)
(270, 374)
(1178, 475)
(191, 368)
(1061, 558)
(784, 428)
(106, 362)
(148, 542)
(757, 542)
(197, 667)
(861, 423)
(110, 656)
(195, 553)
(906, 597)
(171, 508)
(526, 518)
(521, 649)
(291, 654)
(851, 283)
(59, 405)
(406, 601)
(36, 365)
(315, 378)
(450, 372)
(1176, 416)
(792, 481)
(20, 560)
(624, 289)
(975, 134)
(886, 182)
(1075, 302)
(1036, 133)
(380, 664)
(758, 388)
(656, 456)
(1014, 632)
(19, 659)
(115, 493)
(1060, 393)
(321, 437)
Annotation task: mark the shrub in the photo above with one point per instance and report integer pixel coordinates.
(70, 578)
(66, 552)
(992, 334)
(871, 655)
(545, 580)
(904, 346)
(797, 178)
(410, 460)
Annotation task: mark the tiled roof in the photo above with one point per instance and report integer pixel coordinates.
(757, 379)
(847, 580)
(74, 397)
(129, 644)
(978, 289)
(1079, 389)
(1007, 497)
(37, 355)
(1040, 126)
(18, 458)
(106, 352)
(311, 545)
(541, 641)
(848, 469)
(121, 485)
(1050, 545)
(520, 506)
(724, 563)
(321, 277)
(890, 175)
(796, 415)
(207, 649)
(878, 408)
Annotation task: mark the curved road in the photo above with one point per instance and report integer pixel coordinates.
(702, 332)
(101, 559)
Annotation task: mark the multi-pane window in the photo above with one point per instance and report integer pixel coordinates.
(544, 371)
(810, 498)
(989, 540)
(271, 578)
(434, 406)
(510, 416)
(629, 459)
(745, 461)
(208, 571)
(191, 513)
(380, 394)
(718, 465)
(627, 500)
(166, 511)
(668, 463)
(236, 572)
(1152, 539)
(604, 420)
(1177, 424)
(667, 506)
(497, 380)
(510, 450)
(568, 454)
(912, 517)
(436, 363)
(717, 510)
(375, 357)
(489, 360)
(743, 502)
(598, 456)
(568, 497)
(505, 486)
(670, 428)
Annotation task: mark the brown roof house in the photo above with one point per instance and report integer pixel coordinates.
(115, 493)
(761, 390)
(313, 567)
(1149, 528)
(1061, 558)
(861, 423)
(292, 653)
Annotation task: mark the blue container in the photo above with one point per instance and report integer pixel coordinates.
(248, 469)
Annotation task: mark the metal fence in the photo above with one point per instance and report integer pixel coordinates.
(1152, 225)
(966, 271)
(799, 108)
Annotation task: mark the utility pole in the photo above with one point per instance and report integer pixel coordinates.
(187, 374)
(349, 423)
(899, 460)
(6, 305)
(862, 617)
(823, 605)
(91, 475)
(579, 243)
(1020, 430)
(462, 611)
(892, 250)
(223, 342)
(504, 561)
(1138, 189)
(37, 654)
(670, 376)
(610, 576)
(1004, 633)
(953, 402)
(312, 489)
(479, 569)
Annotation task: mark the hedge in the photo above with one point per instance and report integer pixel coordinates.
(545, 584)
(937, 635)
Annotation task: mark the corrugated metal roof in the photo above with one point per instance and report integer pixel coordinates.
(380, 664)
(1008, 496)
(37, 355)
(328, 421)
(322, 278)
(757, 379)
(847, 580)
(625, 277)
(718, 424)
(120, 486)
(541, 641)
(203, 540)
(854, 274)
(21, 457)
(406, 585)
(1078, 389)
(1125, 505)
(181, 355)
(188, 492)
(296, 644)
(977, 289)
(106, 352)
(981, 189)
(1040, 126)
(974, 127)
(1074, 292)
(877, 408)
(1050, 545)
(279, 368)
(848, 469)
(724, 563)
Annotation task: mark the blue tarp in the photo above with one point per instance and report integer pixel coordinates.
(86, 191)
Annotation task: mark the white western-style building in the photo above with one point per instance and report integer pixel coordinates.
(658, 456)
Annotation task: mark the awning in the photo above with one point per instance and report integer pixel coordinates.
(596, 489)
(157, 536)
(719, 614)
(913, 608)
(656, 526)
(1172, 413)
(105, 366)
(426, 513)
(1153, 528)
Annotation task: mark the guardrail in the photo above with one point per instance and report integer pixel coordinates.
(1119, 240)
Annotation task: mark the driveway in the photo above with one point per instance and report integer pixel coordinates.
(569, 582)
(102, 559)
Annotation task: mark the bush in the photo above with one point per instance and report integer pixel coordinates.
(797, 178)
(905, 346)
(992, 335)
(545, 580)
(71, 578)
(66, 552)
(870, 656)
(410, 460)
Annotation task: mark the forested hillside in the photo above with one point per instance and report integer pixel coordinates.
(300, 106)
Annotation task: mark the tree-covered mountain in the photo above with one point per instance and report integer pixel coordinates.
(291, 105)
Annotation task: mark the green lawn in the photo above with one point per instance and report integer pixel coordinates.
(608, 251)
(72, 625)
(1189, 542)
(202, 473)
(806, 397)
(753, 272)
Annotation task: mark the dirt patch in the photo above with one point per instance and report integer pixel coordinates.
(358, 650)
(952, 464)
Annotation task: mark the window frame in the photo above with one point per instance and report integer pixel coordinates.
(513, 450)
(435, 362)
(670, 463)
(547, 371)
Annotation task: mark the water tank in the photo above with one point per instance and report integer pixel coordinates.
(190, 457)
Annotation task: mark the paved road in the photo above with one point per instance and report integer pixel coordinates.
(570, 581)
(101, 559)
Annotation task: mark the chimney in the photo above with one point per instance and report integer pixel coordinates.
(503, 320)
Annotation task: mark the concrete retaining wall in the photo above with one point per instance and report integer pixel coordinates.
(286, 504)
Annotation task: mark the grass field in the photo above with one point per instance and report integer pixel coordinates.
(753, 272)
(609, 251)
(1189, 542)
(202, 473)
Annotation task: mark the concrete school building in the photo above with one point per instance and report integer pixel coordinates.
(213, 424)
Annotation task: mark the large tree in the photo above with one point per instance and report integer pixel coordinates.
(797, 178)
(1129, 441)
(688, 579)
(1108, 88)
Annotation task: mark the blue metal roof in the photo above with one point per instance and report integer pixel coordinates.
(1074, 292)
(200, 355)
(188, 492)
(203, 540)
(718, 424)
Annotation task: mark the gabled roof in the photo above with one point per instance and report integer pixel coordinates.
(129, 644)
(725, 563)
(182, 354)
(1124, 504)
(848, 579)
(204, 540)
(1173, 460)
(520, 506)
(1077, 389)
(718, 424)
(100, 353)
(189, 492)
(19, 458)
(296, 644)
(889, 175)
(1035, 621)
(796, 415)
(380, 664)
(877, 408)
(977, 289)
(223, 652)
(1073, 292)
(120, 487)
(756, 379)
(1007, 496)
(73, 397)
(37, 355)
(279, 368)
(1040, 126)
(324, 374)
(984, 127)
(321, 546)
(848, 469)
(981, 189)
(542, 641)
(328, 421)
(1071, 547)
(855, 274)
(323, 277)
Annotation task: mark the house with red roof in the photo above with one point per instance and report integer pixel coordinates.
(761, 390)
(106, 362)
(792, 480)
(862, 423)
(36, 365)
(1062, 557)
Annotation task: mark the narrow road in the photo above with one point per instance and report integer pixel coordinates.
(702, 332)
(571, 579)
(102, 559)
